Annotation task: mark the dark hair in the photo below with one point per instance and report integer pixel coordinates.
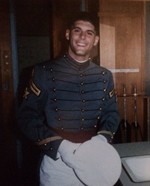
(85, 16)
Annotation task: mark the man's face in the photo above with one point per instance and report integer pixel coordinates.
(82, 38)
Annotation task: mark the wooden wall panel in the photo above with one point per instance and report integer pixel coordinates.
(61, 10)
(122, 50)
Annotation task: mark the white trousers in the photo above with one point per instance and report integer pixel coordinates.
(57, 173)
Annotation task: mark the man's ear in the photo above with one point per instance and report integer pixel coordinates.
(96, 40)
(67, 34)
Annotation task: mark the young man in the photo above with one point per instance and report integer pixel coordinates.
(68, 101)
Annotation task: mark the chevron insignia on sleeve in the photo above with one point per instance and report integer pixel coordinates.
(34, 88)
(111, 93)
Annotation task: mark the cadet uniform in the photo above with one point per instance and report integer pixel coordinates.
(68, 100)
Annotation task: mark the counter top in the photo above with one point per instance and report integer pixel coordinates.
(131, 150)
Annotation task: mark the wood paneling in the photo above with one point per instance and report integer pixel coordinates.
(122, 50)
(60, 13)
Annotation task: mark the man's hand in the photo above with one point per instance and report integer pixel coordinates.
(67, 150)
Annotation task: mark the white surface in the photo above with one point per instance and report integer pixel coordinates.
(126, 70)
(99, 163)
(138, 167)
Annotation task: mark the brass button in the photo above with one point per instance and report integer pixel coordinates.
(103, 73)
(56, 109)
(98, 117)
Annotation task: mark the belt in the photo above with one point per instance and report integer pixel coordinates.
(77, 136)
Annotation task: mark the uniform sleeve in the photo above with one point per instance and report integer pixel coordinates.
(31, 118)
(110, 117)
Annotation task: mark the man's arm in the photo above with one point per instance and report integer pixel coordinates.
(110, 115)
(31, 117)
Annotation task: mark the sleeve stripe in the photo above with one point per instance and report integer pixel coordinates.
(47, 140)
(34, 88)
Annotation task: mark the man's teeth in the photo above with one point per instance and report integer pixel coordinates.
(81, 44)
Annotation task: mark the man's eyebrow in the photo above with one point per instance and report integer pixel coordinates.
(76, 27)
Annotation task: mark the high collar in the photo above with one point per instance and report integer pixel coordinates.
(75, 64)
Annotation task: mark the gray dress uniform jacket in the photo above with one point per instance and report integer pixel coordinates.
(68, 100)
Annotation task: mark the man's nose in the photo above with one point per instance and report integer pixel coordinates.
(82, 35)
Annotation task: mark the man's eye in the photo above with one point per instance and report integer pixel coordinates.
(76, 30)
(90, 33)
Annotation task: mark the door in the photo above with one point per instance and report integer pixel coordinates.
(7, 139)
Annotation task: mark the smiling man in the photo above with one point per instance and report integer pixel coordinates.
(82, 37)
(70, 101)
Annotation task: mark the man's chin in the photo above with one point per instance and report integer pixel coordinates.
(81, 53)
